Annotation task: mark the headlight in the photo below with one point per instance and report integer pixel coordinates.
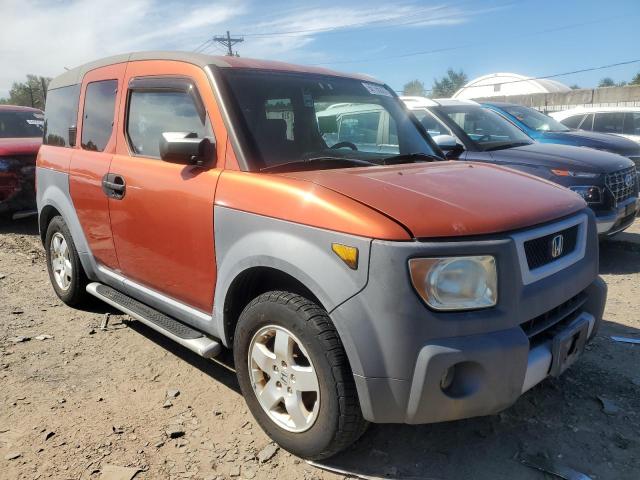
(590, 194)
(569, 173)
(456, 283)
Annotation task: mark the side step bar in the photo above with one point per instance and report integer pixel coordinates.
(169, 327)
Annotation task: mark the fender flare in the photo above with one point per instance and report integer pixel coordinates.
(53, 191)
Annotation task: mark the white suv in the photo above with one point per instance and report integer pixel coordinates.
(623, 121)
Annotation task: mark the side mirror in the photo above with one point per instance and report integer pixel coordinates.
(449, 145)
(445, 142)
(186, 148)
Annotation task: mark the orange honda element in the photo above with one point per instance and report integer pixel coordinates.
(356, 276)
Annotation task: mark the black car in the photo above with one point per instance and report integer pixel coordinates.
(465, 130)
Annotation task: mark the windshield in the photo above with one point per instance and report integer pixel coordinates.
(20, 124)
(292, 117)
(485, 129)
(534, 119)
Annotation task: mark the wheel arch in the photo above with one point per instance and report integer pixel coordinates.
(252, 282)
(54, 198)
(44, 218)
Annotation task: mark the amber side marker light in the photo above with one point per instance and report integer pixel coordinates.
(347, 254)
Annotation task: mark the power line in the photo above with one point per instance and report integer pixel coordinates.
(215, 46)
(470, 45)
(202, 46)
(543, 77)
(582, 70)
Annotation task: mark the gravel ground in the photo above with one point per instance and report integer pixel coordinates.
(81, 401)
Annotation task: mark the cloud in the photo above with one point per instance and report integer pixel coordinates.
(43, 37)
(315, 20)
(292, 35)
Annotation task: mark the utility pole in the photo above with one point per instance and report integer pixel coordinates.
(228, 42)
(43, 82)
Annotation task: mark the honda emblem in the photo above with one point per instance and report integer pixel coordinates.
(557, 245)
(628, 180)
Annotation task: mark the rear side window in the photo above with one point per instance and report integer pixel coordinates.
(60, 114)
(609, 122)
(99, 107)
(281, 109)
(151, 113)
(587, 123)
(360, 128)
(632, 123)
(431, 125)
(573, 121)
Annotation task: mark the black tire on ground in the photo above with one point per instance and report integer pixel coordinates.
(75, 295)
(339, 421)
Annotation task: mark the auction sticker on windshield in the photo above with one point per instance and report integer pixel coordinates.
(376, 89)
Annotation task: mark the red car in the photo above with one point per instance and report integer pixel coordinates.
(20, 138)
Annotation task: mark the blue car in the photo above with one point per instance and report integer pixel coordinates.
(545, 129)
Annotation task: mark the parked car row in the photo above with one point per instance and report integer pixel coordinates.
(468, 131)
(603, 181)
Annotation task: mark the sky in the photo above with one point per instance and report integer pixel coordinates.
(393, 41)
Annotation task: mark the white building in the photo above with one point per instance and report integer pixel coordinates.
(505, 84)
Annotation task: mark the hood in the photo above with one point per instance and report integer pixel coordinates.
(565, 157)
(19, 146)
(601, 141)
(448, 199)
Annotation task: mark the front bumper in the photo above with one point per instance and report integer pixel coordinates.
(402, 353)
(490, 372)
(614, 221)
(17, 190)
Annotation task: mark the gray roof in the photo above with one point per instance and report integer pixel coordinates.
(75, 75)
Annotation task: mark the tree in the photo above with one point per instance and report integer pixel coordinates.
(449, 84)
(414, 87)
(575, 86)
(31, 93)
(635, 80)
(607, 82)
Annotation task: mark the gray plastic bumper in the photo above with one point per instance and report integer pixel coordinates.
(489, 373)
(401, 352)
(608, 224)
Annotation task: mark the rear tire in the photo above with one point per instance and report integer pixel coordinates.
(63, 263)
(314, 412)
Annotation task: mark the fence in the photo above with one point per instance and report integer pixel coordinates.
(596, 97)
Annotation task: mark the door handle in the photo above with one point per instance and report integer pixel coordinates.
(118, 187)
(114, 186)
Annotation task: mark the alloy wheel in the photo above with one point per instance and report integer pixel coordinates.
(284, 378)
(60, 261)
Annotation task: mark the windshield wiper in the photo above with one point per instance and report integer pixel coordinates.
(411, 158)
(318, 162)
(506, 145)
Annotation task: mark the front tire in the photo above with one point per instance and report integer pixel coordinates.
(295, 377)
(63, 263)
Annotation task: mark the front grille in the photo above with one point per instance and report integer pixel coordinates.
(538, 326)
(540, 251)
(622, 184)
